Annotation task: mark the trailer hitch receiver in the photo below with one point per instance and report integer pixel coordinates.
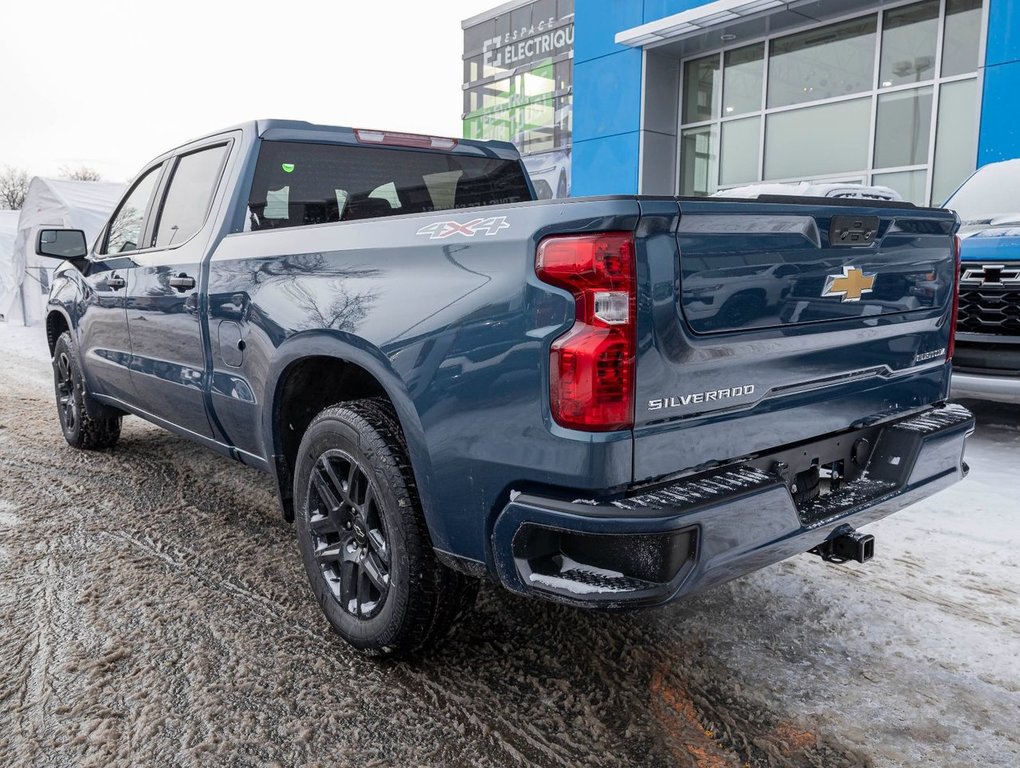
(847, 545)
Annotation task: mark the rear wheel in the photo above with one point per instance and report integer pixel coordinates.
(75, 405)
(363, 538)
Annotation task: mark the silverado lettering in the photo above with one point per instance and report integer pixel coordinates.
(700, 397)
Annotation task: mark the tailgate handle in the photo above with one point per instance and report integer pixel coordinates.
(853, 230)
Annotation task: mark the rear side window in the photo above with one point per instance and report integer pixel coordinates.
(297, 183)
(191, 191)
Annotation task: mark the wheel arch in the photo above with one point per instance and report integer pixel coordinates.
(57, 321)
(315, 369)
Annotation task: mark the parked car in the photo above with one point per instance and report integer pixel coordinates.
(987, 360)
(450, 381)
(550, 173)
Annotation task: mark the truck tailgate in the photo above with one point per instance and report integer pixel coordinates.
(763, 323)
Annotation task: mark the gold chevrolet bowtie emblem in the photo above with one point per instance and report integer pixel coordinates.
(849, 286)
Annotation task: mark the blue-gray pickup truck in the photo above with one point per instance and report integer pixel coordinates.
(610, 402)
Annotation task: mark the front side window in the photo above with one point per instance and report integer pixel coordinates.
(191, 191)
(297, 183)
(127, 225)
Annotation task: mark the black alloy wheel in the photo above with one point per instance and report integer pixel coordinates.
(67, 398)
(349, 534)
(84, 422)
(363, 537)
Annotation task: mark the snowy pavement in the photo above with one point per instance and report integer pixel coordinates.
(153, 610)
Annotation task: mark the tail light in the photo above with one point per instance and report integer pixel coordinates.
(951, 347)
(591, 366)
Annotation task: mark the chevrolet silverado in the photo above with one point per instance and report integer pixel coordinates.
(610, 402)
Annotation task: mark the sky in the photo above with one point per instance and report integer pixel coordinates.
(111, 84)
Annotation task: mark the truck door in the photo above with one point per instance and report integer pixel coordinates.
(102, 325)
(164, 306)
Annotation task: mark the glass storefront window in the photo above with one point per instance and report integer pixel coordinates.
(910, 184)
(962, 37)
(701, 89)
(564, 74)
(956, 139)
(742, 76)
(841, 102)
(488, 96)
(518, 73)
(699, 160)
(903, 128)
(537, 82)
(823, 63)
(535, 127)
(815, 141)
(909, 37)
(738, 155)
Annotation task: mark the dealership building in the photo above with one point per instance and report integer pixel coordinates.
(691, 97)
(518, 87)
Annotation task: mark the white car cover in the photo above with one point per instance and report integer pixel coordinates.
(8, 231)
(24, 276)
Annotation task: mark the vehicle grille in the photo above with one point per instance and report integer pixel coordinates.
(989, 307)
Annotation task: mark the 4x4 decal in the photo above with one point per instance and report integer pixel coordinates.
(439, 230)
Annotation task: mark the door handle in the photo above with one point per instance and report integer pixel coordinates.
(182, 282)
(115, 282)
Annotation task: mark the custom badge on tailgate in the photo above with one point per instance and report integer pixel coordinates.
(850, 285)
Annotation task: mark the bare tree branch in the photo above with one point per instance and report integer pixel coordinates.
(13, 187)
(81, 173)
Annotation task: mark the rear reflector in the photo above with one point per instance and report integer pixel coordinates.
(591, 366)
(403, 139)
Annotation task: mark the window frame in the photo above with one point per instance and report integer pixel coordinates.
(154, 208)
(163, 191)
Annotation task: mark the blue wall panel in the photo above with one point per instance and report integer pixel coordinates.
(607, 99)
(596, 23)
(999, 138)
(1003, 32)
(607, 95)
(605, 166)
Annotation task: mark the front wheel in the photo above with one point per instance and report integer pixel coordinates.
(80, 428)
(363, 538)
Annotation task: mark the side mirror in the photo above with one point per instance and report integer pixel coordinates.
(61, 244)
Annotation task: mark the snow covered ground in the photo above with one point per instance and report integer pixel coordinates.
(146, 644)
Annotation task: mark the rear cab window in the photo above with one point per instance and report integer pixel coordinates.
(298, 183)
